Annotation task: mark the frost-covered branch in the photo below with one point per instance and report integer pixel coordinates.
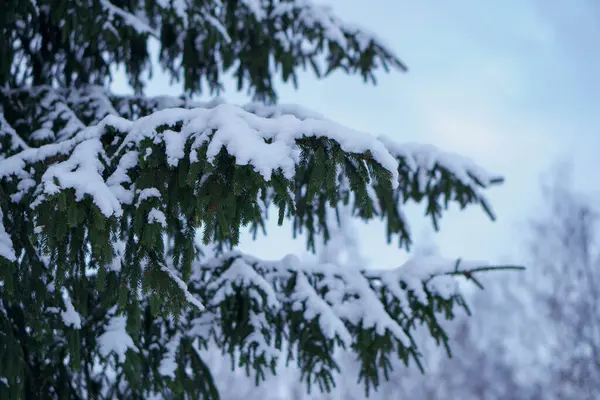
(231, 158)
(329, 302)
(131, 20)
(117, 194)
(216, 39)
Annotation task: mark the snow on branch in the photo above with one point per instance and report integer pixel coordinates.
(218, 166)
(82, 172)
(70, 316)
(314, 15)
(183, 286)
(306, 14)
(6, 130)
(131, 20)
(426, 164)
(6, 246)
(264, 137)
(115, 339)
(54, 111)
(329, 301)
(168, 364)
(306, 298)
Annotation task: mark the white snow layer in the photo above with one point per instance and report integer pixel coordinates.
(168, 364)
(115, 338)
(334, 310)
(243, 133)
(6, 246)
(306, 13)
(69, 315)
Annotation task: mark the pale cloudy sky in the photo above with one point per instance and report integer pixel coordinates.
(514, 85)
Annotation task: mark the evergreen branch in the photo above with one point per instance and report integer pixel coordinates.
(419, 300)
(189, 297)
(131, 20)
(6, 130)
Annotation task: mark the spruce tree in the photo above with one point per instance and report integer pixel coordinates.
(106, 291)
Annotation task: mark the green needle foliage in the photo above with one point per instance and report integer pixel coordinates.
(120, 215)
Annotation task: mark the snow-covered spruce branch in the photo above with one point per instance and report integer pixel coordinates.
(116, 188)
(309, 17)
(135, 22)
(266, 310)
(293, 34)
(223, 162)
(259, 312)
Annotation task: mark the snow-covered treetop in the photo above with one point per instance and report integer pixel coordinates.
(200, 42)
(103, 198)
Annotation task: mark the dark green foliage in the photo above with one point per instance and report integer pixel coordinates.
(64, 43)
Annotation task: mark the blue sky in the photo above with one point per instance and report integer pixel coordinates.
(514, 85)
